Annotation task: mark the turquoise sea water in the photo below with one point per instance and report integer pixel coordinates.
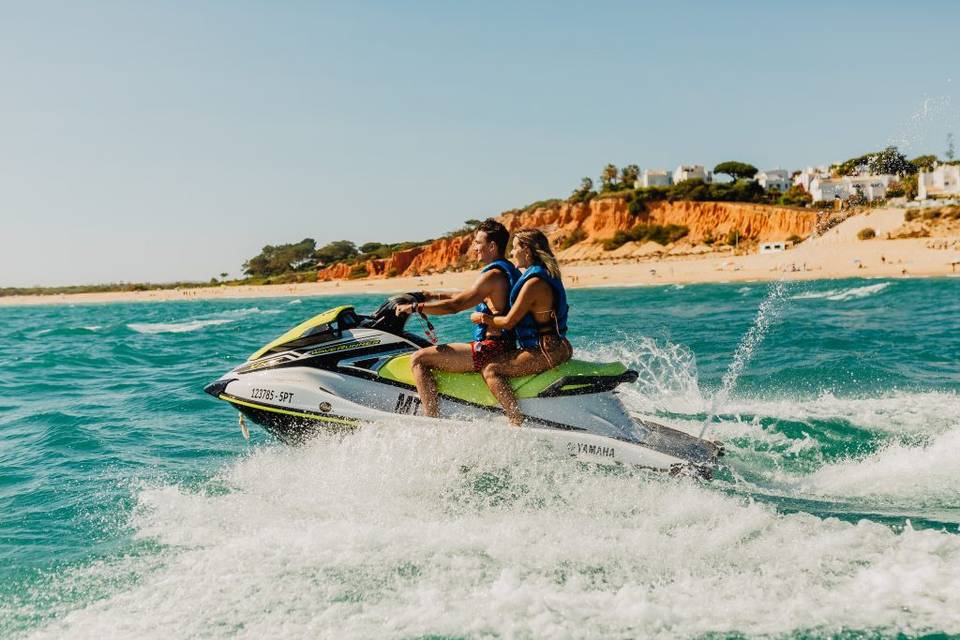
(130, 506)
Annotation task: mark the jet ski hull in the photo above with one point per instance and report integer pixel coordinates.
(300, 403)
(339, 371)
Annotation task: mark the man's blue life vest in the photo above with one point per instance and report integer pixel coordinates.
(528, 330)
(513, 274)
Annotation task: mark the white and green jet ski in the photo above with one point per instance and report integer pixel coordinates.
(341, 369)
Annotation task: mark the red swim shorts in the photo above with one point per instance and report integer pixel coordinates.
(486, 350)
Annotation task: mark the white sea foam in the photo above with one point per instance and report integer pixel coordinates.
(917, 476)
(249, 311)
(296, 301)
(224, 317)
(403, 531)
(843, 294)
(896, 412)
(176, 327)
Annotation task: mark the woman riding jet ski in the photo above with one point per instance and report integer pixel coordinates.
(339, 370)
(538, 310)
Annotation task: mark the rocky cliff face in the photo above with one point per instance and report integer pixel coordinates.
(600, 220)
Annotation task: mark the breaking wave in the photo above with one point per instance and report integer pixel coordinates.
(232, 315)
(843, 294)
(918, 476)
(176, 327)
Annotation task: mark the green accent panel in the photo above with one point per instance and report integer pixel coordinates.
(287, 412)
(471, 387)
(302, 328)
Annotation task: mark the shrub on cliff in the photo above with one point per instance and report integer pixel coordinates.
(358, 271)
(663, 234)
(541, 204)
(700, 191)
(796, 196)
(867, 233)
(578, 235)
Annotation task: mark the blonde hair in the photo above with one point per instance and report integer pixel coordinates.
(537, 243)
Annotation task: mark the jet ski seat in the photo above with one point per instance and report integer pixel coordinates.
(573, 377)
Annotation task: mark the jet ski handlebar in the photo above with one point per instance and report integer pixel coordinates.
(385, 318)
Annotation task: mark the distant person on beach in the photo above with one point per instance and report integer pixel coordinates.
(538, 315)
(490, 294)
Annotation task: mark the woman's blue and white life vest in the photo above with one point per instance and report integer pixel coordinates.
(513, 274)
(528, 330)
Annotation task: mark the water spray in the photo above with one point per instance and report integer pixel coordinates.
(768, 310)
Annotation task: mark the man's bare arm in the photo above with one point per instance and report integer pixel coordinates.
(484, 286)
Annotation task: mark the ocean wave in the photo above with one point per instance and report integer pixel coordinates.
(403, 531)
(854, 293)
(918, 476)
(898, 412)
(296, 301)
(63, 331)
(224, 317)
(176, 327)
(249, 311)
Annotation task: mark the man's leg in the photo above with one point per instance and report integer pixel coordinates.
(457, 358)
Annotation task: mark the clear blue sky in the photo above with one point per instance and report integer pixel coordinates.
(160, 141)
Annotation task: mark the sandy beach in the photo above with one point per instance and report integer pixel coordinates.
(836, 254)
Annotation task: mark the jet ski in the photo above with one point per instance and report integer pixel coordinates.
(340, 369)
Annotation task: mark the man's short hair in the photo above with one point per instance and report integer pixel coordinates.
(495, 232)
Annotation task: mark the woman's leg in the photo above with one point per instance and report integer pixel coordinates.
(457, 358)
(497, 375)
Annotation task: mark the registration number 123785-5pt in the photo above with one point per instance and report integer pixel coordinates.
(271, 395)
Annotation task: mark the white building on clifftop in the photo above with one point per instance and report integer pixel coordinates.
(828, 189)
(691, 172)
(943, 181)
(654, 178)
(778, 179)
(805, 177)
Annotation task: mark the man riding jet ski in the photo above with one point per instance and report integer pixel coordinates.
(490, 294)
(341, 369)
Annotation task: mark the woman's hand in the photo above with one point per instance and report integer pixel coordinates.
(478, 318)
(402, 309)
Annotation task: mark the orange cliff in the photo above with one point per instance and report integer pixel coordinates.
(599, 220)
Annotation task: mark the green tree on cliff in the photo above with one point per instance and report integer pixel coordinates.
(584, 193)
(890, 161)
(336, 251)
(853, 166)
(274, 260)
(608, 178)
(924, 163)
(629, 175)
(736, 170)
